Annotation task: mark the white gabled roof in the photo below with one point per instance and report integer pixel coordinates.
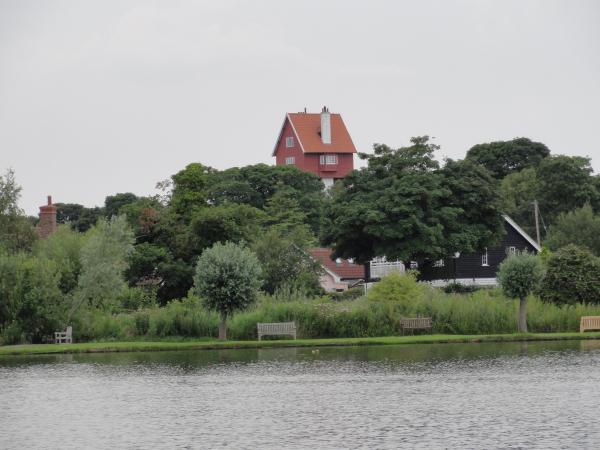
(522, 232)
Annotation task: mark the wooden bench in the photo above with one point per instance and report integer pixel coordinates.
(271, 329)
(416, 323)
(589, 323)
(65, 337)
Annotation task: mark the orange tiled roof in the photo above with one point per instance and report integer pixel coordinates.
(344, 269)
(308, 126)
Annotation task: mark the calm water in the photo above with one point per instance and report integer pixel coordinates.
(537, 395)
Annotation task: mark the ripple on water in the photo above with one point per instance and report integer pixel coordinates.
(434, 396)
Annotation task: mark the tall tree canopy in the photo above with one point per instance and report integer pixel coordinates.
(402, 205)
(504, 157)
(16, 232)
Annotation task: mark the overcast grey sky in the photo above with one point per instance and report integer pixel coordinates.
(99, 97)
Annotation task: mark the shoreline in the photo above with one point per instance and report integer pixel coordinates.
(153, 346)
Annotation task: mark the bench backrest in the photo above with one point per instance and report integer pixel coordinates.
(417, 322)
(590, 322)
(69, 331)
(279, 327)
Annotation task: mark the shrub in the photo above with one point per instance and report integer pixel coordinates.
(349, 294)
(459, 288)
(401, 288)
(573, 276)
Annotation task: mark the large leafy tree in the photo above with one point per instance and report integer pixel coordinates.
(580, 227)
(404, 207)
(77, 216)
(189, 189)
(227, 278)
(504, 157)
(113, 203)
(565, 184)
(518, 191)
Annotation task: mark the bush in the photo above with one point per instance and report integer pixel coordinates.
(573, 276)
(459, 288)
(401, 288)
(349, 294)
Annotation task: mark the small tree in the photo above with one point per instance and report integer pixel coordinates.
(227, 278)
(520, 275)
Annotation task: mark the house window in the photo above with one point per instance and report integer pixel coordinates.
(328, 159)
(511, 250)
(414, 265)
(438, 263)
(290, 160)
(289, 141)
(484, 258)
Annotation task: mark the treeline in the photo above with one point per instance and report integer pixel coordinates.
(135, 252)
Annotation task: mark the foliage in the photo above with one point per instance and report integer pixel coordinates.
(459, 288)
(227, 278)
(63, 247)
(565, 184)
(580, 227)
(573, 276)
(77, 216)
(518, 191)
(16, 233)
(230, 222)
(285, 265)
(404, 207)
(485, 311)
(189, 189)
(395, 287)
(31, 304)
(114, 203)
(520, 274)
(502, 158)
(103, 262)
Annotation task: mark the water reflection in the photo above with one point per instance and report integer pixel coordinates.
(510, 395)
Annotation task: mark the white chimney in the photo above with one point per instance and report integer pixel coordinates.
(325, 126)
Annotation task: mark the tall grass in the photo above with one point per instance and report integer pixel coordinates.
(480, 312)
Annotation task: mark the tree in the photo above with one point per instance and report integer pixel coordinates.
(565, 183)
(284, 215)
(518, 191)
(230, 222)
(520, 275)
(16, 232)
(77, 216)
(502, 158)
(31, 304)
(190, 189)
(580, 227)
(573, 276)
(403, 206)
(114, 203)
(227, 278)
(285, 264)
(63, 248)
(104, 259)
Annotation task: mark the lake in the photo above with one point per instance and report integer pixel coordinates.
(511, 395)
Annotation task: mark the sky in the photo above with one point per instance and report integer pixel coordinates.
(107, 96)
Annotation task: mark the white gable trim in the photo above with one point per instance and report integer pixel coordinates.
(522, 232)
(295, 133)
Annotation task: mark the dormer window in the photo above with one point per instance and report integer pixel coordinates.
(289, 142)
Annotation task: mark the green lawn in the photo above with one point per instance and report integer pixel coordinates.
(148, 346)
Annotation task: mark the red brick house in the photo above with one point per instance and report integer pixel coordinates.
(316, 143)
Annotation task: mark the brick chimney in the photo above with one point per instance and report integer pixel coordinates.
(47, 224)
(325, 126)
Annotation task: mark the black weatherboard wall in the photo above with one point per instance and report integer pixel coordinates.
(469, 265)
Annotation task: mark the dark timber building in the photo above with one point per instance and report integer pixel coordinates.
(478, 269)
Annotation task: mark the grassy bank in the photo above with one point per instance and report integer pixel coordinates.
(482, 312)
(146, 346)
